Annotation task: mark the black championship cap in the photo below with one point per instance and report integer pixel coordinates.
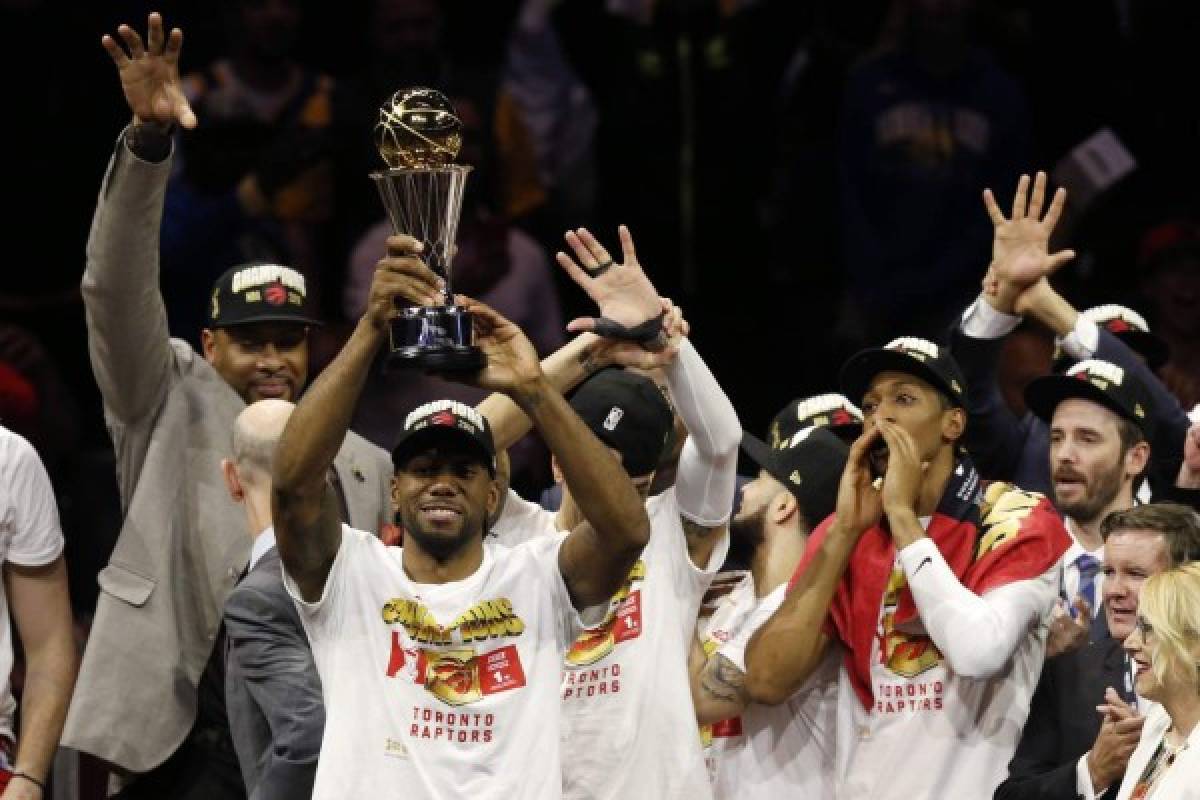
(833, 411)
(913, 356)
(1130, 327)
(259, 293)
(628, 413)
(441, 418)
(1101, 382)
(809, 463)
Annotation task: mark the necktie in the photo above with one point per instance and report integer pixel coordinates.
(1088, 568)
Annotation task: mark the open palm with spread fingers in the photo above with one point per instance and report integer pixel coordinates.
(1020, 246)
(150, 74)
(629, 304)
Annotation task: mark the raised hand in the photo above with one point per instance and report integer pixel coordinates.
(1020, 245)
(512, 361)
(905, 471)
(621, 352)
(150, 74)
(1120, 732)
(401, 274)
(628, 302)
(859, 505)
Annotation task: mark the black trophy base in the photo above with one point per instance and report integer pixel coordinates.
(434, 339)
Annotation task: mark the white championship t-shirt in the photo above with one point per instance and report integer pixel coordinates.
(629, 727)
(933, 733)
(440, 690)
(784, 750)
(30, 536)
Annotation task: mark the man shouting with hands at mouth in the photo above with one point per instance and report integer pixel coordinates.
(937, 593)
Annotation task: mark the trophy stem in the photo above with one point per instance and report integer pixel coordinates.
(426, 203)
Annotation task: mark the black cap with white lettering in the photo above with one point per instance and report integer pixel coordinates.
(1101, 382)
(426, 423)
(910, 355)
(832, 410)
(259, 293)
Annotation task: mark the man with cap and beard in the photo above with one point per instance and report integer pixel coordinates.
(936, 593)
(628, 725)
(754, 750)
(1101, 421)
(171, 412)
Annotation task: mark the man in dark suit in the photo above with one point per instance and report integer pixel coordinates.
(272, 691)
(1067, 749)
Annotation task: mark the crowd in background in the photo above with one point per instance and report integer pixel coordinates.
(803, 178)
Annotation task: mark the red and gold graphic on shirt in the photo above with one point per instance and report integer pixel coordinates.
(1002, 512)
(622, 623)
(458, 676)
(487, 619)
(905, 654)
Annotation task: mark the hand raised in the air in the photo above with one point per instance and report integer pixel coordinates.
(150, 74)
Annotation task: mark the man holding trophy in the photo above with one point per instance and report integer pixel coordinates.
(441, 661)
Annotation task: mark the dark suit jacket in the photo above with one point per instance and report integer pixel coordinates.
(1017, 449)
(1063, 721)
(272, 691)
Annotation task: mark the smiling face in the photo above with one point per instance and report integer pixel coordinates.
(1130, 557)
(260, 360)
(443, 495)
(915, 406)
(1088, 468)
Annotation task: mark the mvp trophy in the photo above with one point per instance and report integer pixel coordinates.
(418, 136)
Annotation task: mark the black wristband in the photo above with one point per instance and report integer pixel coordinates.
(149, 142)
(32, 780)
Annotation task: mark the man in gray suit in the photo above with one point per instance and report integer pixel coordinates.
(140, 702)
(272, 691)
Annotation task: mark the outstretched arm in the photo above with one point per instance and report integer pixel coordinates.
(127, 323)
(304, 506)
(598, 554)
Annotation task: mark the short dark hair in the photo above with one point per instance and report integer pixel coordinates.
(1179, 525)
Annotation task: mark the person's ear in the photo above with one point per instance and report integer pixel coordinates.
(784, 507)
(1137, 458)
(233, 481)
(493, 498)
(208, 343)
(395, 495)
(954, 423)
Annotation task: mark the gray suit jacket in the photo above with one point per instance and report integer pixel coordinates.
(183, 542)
(272, 691)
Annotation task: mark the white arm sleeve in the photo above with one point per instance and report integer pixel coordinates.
(1082, 342)
(977, 635)
(981, 321)
(705, 481)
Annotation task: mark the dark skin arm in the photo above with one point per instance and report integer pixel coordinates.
(303, 505)
(598, 553)
(788, 648)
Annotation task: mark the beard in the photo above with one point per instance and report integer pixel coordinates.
(440, 545)
(1100, 491)
(745, 535)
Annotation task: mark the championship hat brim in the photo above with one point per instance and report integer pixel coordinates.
(861, 369)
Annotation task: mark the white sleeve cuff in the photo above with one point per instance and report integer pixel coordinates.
(981, 321)
(1083, 779)
(1082, 342)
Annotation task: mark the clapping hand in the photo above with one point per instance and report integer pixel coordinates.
(150, 74)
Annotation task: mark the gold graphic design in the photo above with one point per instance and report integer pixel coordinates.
(905, 654)
(486, 619)
(1003, 510)
(452, 676)
(623, 622)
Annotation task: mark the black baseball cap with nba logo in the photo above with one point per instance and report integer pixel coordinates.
(260, 292)
(629, 413)
(910, 355)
